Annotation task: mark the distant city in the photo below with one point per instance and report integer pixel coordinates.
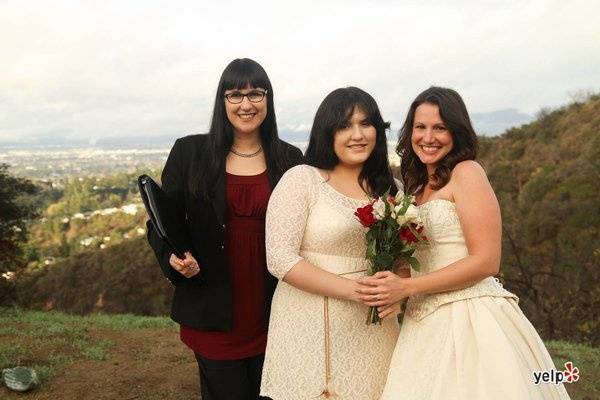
(55, 164)
(54, 158)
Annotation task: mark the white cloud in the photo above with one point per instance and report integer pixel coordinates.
(91, 70)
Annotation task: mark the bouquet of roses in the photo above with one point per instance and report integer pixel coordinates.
(395, 230)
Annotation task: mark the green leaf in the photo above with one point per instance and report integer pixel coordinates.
(371, 251)
(373, 248)
(405, 203)
(383, 261)
(414, 263)
(389, 234)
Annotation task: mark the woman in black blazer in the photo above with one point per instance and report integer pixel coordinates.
(223, 181)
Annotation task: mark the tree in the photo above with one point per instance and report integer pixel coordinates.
(16, 209)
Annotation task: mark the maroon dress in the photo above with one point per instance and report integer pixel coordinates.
(247, 199)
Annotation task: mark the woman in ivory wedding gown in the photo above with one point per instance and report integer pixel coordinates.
(463, 335)
(319, 346)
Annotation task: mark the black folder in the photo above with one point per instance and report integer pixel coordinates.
(166, 216)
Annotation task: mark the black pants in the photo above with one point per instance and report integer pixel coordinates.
(230, 379)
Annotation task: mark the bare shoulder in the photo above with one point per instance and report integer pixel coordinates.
(471, 189)
(468, 169)
(468, 177)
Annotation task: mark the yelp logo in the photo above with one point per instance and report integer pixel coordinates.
(569, 375)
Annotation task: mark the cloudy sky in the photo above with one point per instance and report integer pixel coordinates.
(90, 70)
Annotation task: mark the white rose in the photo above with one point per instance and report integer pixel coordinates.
(412, 214)
(379, 209)
(399, 196)
(400, 219)
(396, 211)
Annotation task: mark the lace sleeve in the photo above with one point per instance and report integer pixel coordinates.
(286, 219)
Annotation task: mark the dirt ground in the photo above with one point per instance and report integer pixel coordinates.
(143, 364)
(151, 363)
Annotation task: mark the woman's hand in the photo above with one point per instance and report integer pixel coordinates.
(187, 266)
(383, 289)
(390, 311)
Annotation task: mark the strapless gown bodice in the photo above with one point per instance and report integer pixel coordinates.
(446, 245)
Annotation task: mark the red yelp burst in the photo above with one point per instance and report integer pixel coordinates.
(571, 373)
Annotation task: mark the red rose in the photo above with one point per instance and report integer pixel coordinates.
(365, 215)
(406, 234)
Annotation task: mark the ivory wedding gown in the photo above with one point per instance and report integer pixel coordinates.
(473, 343)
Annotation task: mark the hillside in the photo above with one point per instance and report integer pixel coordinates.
(547, 178)
(123, 278)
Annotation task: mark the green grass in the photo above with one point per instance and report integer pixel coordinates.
(96, 351)
(10, 354)
(50, 341)
(59, 321)
(586, 358)
(121, 322)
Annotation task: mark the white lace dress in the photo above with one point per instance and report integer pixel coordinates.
(473, 343)
(319, 346)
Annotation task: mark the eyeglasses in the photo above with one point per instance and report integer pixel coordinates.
(255, 96)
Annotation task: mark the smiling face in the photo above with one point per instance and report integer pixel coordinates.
(354, 142)
(431, 140)
(246, 116)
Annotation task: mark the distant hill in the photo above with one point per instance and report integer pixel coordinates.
(124, 278)
(546, 175)
(496, 122)
(57, 141)
(486, 123)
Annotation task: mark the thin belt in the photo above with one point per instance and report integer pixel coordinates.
(327, 392)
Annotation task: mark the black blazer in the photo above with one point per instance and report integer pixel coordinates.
(205, 300)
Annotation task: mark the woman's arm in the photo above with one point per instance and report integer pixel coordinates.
(479, 215)
(286, 219)
(173, 268)
(309, 278)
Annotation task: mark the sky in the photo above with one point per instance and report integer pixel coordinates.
(91, 71)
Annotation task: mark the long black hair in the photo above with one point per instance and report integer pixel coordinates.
(241, 73)
(334, 112)
(456, 118)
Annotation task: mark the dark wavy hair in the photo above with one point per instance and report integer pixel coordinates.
(334, 112)
(239, 74)
(456, 118)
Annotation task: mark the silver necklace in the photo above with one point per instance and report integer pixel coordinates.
(246, 155)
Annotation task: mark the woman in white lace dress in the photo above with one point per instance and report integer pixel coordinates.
(463, 335)
(319, 345)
